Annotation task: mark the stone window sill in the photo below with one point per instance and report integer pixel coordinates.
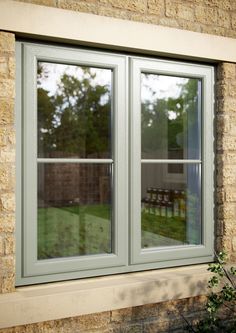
(59, 300)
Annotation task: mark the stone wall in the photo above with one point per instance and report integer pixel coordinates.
(216, 17)
(152, 318)
(210, 16)
(7, 162)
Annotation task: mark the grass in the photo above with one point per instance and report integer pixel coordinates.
(87, 229)
(73, 231)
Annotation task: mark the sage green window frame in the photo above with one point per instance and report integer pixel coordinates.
(128, 255)
(206, 75)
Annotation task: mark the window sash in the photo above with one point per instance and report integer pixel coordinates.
(32, 266)
(206, 74)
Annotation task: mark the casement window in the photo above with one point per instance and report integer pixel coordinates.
(114, 163)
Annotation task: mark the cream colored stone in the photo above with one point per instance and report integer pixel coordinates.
(7, 136)
(121, 14)
(226, 211)
(132, 5)
(7, 155)
(206, 15)
(11, 67)
(223, 19)
(78, 6)
(7, 88)
(6, 111)
(7, 202)
(7, 177)
(2, 252)
(7, 285)
(3, 67)
(52, 3)
(234, 243)
(233, 20)
(73, 298)
(7, 264)
(7, 222)
(7, 42)
(226, 71)
(156, 7)
(9, 244)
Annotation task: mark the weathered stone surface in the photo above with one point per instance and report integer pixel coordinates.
(7, 42)
(156, 7)
(51, 3)
(79, 6)
(206, 15)
(7, 202)
(6, 111)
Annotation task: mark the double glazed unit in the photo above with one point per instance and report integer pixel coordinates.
(114, 163)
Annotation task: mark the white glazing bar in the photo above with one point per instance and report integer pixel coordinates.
(74, 160)
(158, 161)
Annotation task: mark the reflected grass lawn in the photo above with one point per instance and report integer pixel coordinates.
(72, 231)
(87, 230)
(171, 229)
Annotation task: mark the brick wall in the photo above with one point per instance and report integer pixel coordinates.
(209, 16)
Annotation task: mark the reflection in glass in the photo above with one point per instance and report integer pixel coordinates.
(74, 111)
(74, 210)
(170, 119)
(170, 206)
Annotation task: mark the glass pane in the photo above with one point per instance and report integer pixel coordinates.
(74, 209)
(170, 206)
(74, 111)
(170, 117)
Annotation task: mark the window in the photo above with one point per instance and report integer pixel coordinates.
(115, 163)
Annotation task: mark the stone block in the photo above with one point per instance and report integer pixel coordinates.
(234, 243)
(6, 111)
(7, 136)
(7, 177)
(122, 14)
(226, 71)
(132, 328)
(11, 67)
(224, 18)
(90, 322)
(3, 67)
(7, 88)
(226, 211)
(7, 223)
(156, 7)
(7, 285)
(2, 245)
(7, 202)
(7, 42)
(122, 315)
(9, 244)
(7, 155)
(156, 326)
(205, 15)
(51, 3)
(226, 105)
(131, 5)
(79, 6)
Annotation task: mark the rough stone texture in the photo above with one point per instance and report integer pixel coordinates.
(7, 165)
(163, 317)
(226, 157)
(216, 17)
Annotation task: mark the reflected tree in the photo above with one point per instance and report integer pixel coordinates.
(76, 120)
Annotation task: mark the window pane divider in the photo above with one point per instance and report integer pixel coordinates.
(160, 161)
(74, 160)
